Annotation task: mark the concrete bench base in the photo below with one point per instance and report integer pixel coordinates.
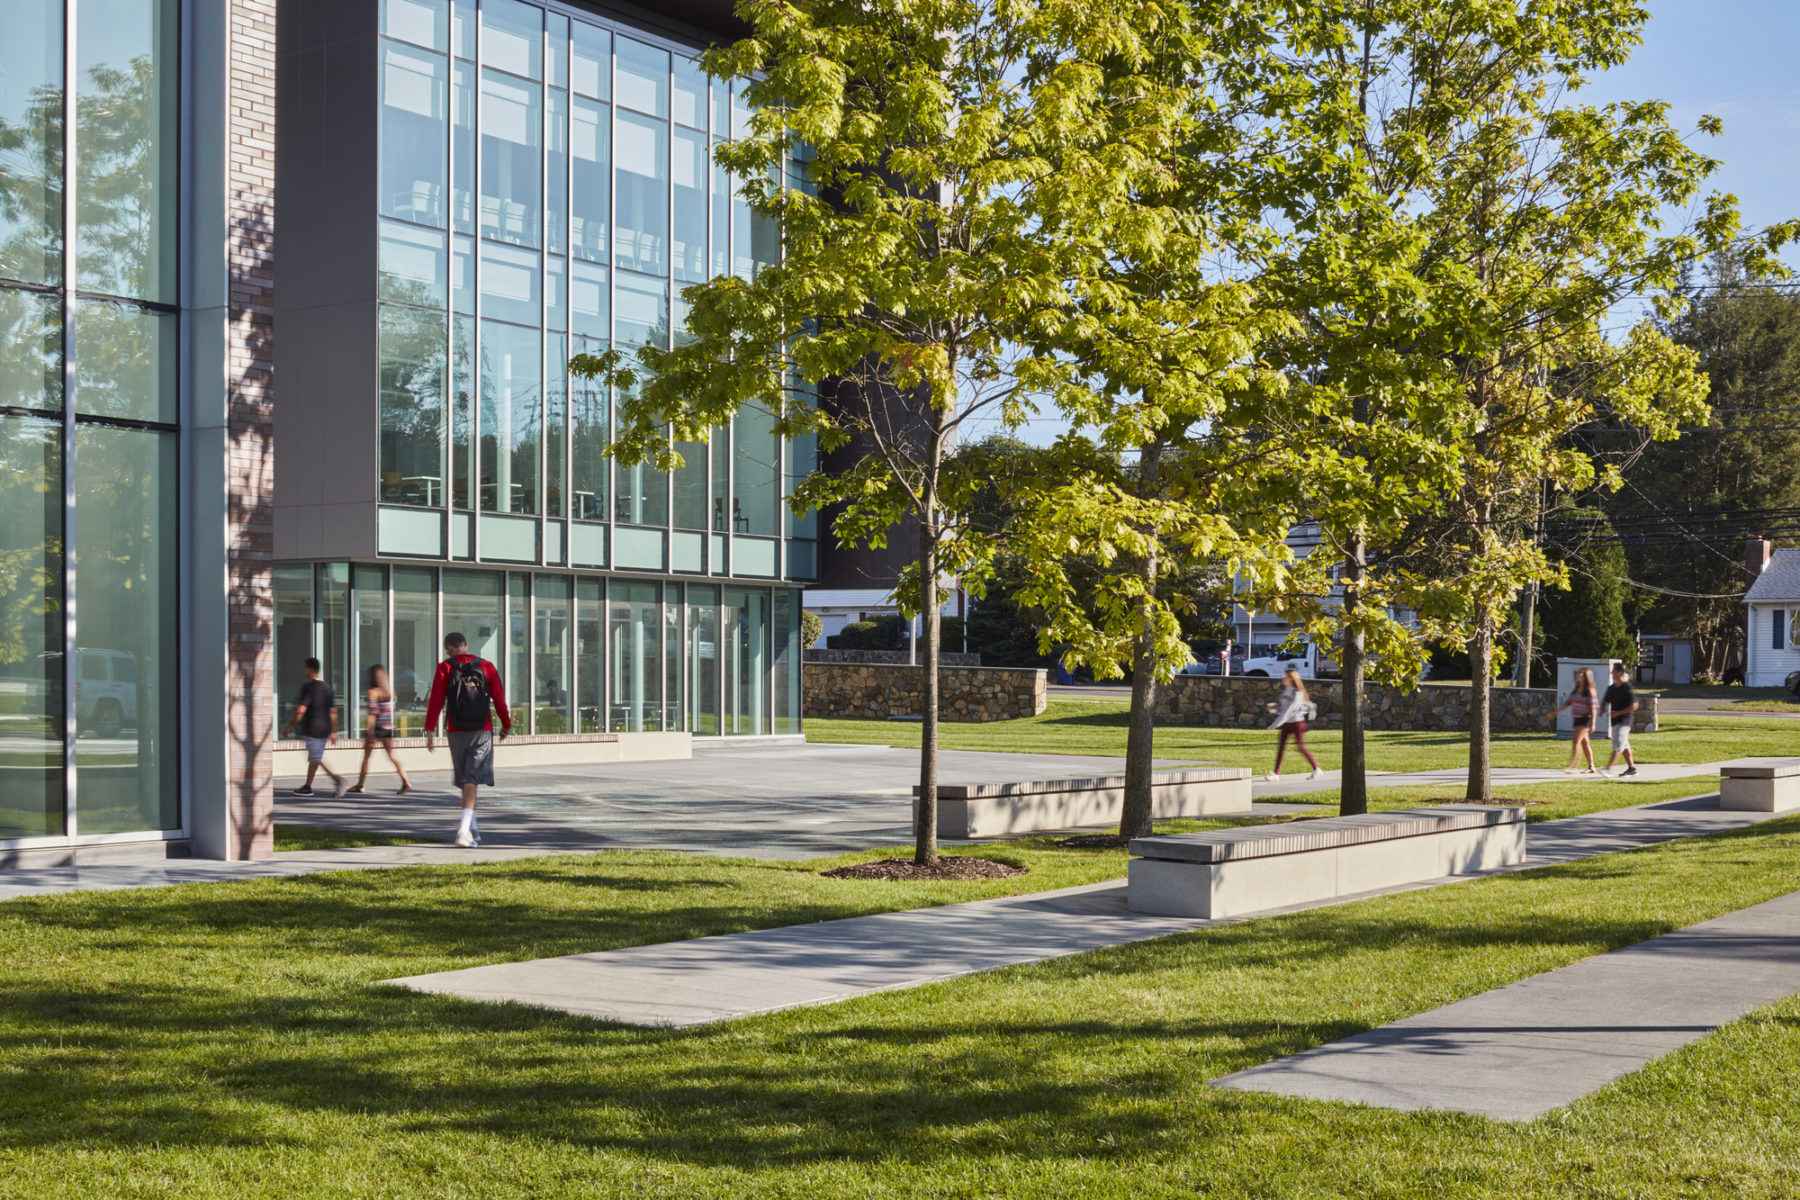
(1760, 785)
(1039, 805)
(1233, 872)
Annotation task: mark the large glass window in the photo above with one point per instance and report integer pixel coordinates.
(642, 180)
(590, 648)
(31, 367)
(703, 659)
(643, 77)
(744, 617)
(591, 67)
(472, 607)
(687, 242)
(413, 268)
(462, 164)
(415, 647)
(422, 22)
(553, 640)
(512, 37)
(556, 414)
(511, 380)
(636, 654)
(370, 598)
(510, 278)
(412, 406)
(690, 486)
(690, 93)
(556, 173)
(125, 361)
(755, 475)
(784, 641)
(127, 770)
(512, 163)
(126, 168)
(462, 416)
(589, 301)
(331, 639)
(590, 430)
(415, 151)
(590, 141)
(31, 113)
(31, 627)
(516, 670)
(643, 316)
(293, 635)
(674, 716)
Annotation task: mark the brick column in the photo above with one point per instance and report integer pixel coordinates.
(250, 465)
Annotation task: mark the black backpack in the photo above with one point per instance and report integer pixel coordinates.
(466, 695)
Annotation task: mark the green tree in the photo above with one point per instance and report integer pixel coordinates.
(1588, 619)
(970, 171)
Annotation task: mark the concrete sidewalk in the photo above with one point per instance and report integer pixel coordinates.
(1520, 1051)
(736, 975)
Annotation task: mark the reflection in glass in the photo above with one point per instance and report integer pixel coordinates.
(31, 131)
(721, 480)
(721, 220)
(674, 714)
(643, 316)
(125, 362)
(590, 643)
(370, 645)
(590, 139)
(690, 93)
(422, 22)
(588, 300)
(128, 771)
(472, 602)
(509, 284)
(126, 169)
(755, 474)
(690, 486)
(642, 183)
(589, 433)
(512, 37)
(31, 367)
(412, 406)
(511, 379)
(744, 616)
(784, 640)
(415, 647)
(462, 413)
(556, 392)
(462, 27)
(591, 73)
(556, 174)
(636, 653)
(516, 670)
(512, 139)
(553, 638)
(802, 461)
(687, 243)
(641, 494)
(556, 40)
(332, 608)
(412, 265)
(462, 164)
(31, 628)
(643, 77)
(462, 274)
(293, 635)
(703, 659)
(414, 154)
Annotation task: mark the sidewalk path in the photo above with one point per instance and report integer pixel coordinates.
(1519, 1051)
(740, 974)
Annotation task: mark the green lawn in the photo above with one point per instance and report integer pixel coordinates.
(312, 837)
(1757, 706)
(1098, 727)
(231, 1040)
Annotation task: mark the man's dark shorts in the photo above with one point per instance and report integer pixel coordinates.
(472, 756)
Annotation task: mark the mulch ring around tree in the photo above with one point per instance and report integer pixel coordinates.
(948, 866)
(1094, 841)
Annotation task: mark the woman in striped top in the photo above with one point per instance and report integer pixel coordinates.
(379, 729)
(1582, 703)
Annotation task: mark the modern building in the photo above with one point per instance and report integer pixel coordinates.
(292, 286)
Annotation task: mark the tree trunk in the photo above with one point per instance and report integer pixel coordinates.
(1140, 735)
(925, 823)
(1353, 794)
(1481, 670)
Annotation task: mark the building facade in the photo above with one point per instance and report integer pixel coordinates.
(292, 289)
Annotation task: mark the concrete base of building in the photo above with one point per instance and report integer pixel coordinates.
(1269, 867)
(96, 854)
(542, 750)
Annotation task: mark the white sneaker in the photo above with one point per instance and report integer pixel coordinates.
(465, 840)
(1272, 776)
(342, 787)
(1317, 775)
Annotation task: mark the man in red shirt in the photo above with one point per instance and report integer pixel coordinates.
(462, 690)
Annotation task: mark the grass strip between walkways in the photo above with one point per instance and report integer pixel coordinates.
(231, 1040)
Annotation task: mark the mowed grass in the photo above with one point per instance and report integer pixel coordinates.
(1098, 727)
(314, 837)
(234, 1041)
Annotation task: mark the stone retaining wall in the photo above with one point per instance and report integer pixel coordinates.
(1239, 702)
(949, 658)
(882, 690)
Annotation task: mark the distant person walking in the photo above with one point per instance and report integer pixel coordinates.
(463, 690)
(1582, 705)
(379, 729)
(316, 714)
(1620, 702)
(1291, 711)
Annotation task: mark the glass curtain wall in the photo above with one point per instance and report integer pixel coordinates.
(416, 648)
(88, 419)
(546, 189)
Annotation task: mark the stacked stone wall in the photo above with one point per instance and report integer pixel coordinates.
(882, 690)
(1241, 702)
(948, 658)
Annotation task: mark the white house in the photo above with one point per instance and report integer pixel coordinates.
(838, 607)
(1772, 647)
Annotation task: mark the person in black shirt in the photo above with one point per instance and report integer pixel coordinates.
(316, 714)
(1619, 703)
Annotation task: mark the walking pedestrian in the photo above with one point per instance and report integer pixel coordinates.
(316, 714)
(1620, 702)
(464, 689)
(1291, 712)
(1582, 705)
(379, 730)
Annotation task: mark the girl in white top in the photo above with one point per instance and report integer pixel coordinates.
(379, 730)
(1290, 719)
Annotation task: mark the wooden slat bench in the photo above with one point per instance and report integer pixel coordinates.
(1036, 805)
(1229, 872)
(1760, 784)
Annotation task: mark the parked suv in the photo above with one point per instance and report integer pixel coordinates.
(106, 690)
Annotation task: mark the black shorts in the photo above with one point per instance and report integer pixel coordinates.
(378, 734)
(1582, 722)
